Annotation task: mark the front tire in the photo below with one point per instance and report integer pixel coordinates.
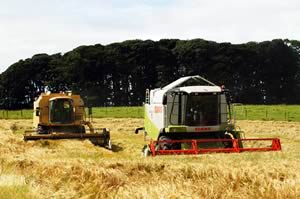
(228, 144)
(164, 145)
(168, 145)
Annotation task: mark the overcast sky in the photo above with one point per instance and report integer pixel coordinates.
(29, 27)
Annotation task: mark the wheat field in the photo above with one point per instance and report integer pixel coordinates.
(78, 169)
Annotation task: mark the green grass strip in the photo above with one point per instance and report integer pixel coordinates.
(242, 112)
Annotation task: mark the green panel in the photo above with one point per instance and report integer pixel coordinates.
(150, 127)
(176, 129)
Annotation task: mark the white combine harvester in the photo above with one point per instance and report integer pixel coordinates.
(191, 116)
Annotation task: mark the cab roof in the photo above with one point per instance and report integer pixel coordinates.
(189, 84)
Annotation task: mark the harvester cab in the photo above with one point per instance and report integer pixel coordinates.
(190, 116)
(62, 116)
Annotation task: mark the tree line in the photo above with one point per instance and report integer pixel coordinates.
(118, 74)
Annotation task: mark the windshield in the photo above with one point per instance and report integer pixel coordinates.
(61, 111)
(202, 110)
(195, 109)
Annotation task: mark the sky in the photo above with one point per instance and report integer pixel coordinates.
(29, 27)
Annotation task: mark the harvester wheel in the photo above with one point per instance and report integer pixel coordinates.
(237, 135)
(232, 135)
(81, 129)
(228, 144)
(146, 151)
(42, 130)
(167, 145)
(109, 145)
(164, 145)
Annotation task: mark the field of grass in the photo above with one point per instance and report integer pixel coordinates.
(78, 169)
(268, 112)
(242, 112)
(118, 112)
(16, 114)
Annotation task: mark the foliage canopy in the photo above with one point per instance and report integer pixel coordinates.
(118, 74)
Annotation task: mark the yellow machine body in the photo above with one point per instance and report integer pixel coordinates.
(62, 116)
(72, 104)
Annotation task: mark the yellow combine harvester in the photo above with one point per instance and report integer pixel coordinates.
(62, 116)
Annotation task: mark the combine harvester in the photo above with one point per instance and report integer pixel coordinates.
(62, 116)
(192, 116)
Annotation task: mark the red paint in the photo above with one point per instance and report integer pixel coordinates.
(202, 129)
(274, 146)
(157, 109)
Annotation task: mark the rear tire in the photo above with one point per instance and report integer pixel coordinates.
(109, 145)
(146, 151)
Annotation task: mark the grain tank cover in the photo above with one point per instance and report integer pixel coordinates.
(189, 84)
(189, 81)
